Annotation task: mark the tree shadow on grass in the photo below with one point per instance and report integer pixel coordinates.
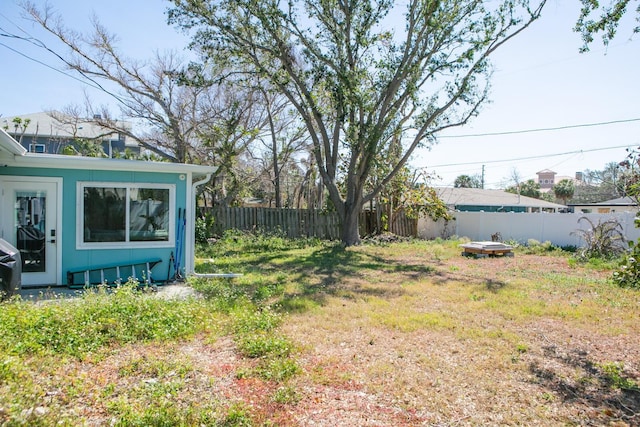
(603, 390)
(324, 272)
(491, 284)
(495, 285)
(333, 271)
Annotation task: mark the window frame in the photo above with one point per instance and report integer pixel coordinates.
(37, 148)
(127, 243)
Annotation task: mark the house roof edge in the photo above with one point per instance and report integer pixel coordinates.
(10, 145)
(56, 161)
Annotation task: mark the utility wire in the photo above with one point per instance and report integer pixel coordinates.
(50, 67)
(542, 156)
(513, 132)
(94, 84)
(40, 44)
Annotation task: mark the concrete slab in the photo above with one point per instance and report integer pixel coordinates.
(169, 291)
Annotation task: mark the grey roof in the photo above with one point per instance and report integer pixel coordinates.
(482, 197)
(13, 154)
(43, 125)
(620, 201)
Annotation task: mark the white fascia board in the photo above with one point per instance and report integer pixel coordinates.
(56, 161)
(10, 145)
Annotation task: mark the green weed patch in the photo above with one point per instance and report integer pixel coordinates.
(394, 326)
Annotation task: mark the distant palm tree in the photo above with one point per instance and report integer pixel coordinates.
(466, 181)
(564, 190)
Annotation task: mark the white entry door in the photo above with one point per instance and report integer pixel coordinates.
(29, 221)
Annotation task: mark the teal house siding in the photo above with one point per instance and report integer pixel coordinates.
(489, 208)
(72, 173)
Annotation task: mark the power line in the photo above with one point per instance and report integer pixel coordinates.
(40, 44)
(49, 66)
(542, 156)
(513, 132)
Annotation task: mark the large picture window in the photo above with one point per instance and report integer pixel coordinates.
(130, 214)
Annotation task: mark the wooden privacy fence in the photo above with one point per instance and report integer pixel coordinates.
(300, 222)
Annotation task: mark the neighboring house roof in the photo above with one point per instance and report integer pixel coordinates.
(13, 154)
(620, 201)
(545, 171)
(43, 125)
(479, 196)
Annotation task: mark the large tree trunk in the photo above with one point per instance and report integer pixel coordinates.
(274, 158)
(351, 225)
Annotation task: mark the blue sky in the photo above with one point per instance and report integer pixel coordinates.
(540, 82)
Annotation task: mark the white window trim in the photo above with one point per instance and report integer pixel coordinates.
(81, 244)
(33, 148)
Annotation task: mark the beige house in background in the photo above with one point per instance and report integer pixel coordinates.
(547, 179)
(622, 204)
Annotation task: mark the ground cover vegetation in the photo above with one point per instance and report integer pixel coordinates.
(392, 332)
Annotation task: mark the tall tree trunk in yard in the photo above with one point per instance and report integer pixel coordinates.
(351, 225)
(276, 166)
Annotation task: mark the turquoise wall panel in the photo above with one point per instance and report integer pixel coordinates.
(74, 258)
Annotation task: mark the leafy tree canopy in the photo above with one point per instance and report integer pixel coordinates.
(529, 188)
(466, 181)
(564, 190)
(362, 74)
(600, 19)
(630, 179)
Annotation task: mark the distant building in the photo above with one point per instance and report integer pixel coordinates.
(621, 204)
(49, 133)
(481, 200)
(548, 178)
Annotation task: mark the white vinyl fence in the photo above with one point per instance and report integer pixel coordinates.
(557, 228)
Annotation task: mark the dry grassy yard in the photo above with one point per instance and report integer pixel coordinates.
(405, 334)
(444, 340)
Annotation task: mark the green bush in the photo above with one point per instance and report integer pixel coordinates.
(535, 247)
(258, 241)
(98, 319)
(628, 273)
(203, 227)
(602, 240)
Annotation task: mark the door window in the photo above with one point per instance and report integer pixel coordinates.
(30, 209)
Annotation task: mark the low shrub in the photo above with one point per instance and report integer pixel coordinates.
(100, 318)
(602, 240)
(203, 226)
(258, 241)
(535, 247)
(627, 274)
